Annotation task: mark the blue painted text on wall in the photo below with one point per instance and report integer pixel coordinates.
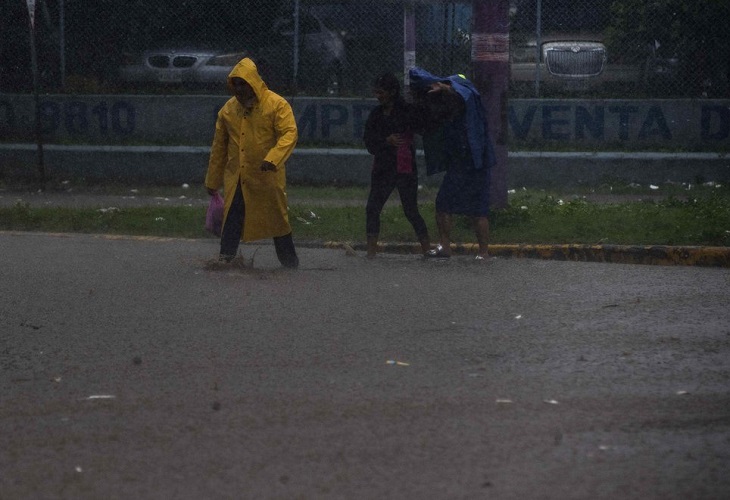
(623, 122)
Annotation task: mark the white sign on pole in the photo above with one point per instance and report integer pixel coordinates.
(31, 12)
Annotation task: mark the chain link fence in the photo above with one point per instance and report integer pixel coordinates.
(559, 48)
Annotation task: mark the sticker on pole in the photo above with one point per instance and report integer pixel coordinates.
(490, 47)
(31, 12)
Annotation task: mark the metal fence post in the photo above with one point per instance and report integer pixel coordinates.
(409, 40)
(62, 42)
(295, 48)
(490, 64)
(36, 92)
(538, 47)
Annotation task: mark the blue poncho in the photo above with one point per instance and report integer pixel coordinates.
(474, 121)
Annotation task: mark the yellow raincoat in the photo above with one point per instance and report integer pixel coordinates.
(242, 142)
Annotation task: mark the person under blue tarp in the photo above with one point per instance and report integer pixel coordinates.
(455, 140)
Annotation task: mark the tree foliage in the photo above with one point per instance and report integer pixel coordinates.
(695, 32)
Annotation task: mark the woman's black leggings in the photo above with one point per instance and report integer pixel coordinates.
(382, 185)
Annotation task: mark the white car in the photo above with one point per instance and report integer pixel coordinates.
(180, 65)
(569, 61)
(320, 63)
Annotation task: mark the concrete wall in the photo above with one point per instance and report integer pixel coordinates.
(167, 165)
(165, 139)
(165, 120)
(188, 120)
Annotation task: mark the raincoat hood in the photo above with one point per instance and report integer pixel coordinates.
(246, 70)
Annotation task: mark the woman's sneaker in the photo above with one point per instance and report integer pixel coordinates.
(437, 253)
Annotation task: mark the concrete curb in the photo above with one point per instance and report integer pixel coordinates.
(617, 254)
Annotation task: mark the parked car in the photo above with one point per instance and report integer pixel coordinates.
(320, 63)
(321, 56)
(186, 64)
(570, 62)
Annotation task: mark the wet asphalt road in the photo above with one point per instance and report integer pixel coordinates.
(131, 371)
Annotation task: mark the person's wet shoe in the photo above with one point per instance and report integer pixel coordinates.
(436, 254)
(225, 259)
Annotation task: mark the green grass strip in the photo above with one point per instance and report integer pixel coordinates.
(531, 218)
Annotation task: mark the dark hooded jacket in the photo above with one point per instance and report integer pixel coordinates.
(379, 126)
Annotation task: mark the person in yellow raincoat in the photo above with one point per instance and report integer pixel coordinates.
(255, 133)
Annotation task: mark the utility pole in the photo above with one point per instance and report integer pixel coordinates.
(490, 64)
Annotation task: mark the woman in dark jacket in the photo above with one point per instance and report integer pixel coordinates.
(389, 137)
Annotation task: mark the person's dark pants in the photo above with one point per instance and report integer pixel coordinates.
(231, 235)
(382, 185)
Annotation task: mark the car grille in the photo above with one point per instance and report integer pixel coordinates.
(575, 61)
(162, 61)
(159, 61)
(183, 61)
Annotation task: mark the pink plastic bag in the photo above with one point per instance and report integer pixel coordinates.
(214, 216)
(404, 155)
